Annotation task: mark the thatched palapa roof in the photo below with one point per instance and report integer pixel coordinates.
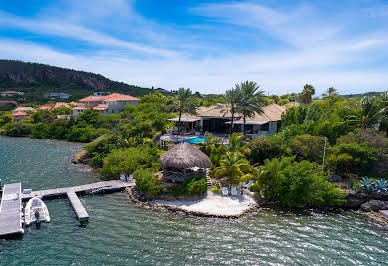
(184, 155)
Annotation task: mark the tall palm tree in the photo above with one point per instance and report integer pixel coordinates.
(369, 115)
(307, 93)
(251, 100)
(233, 167)
(330, 92)
(184, 104)
(231, 98)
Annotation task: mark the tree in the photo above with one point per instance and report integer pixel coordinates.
(369, 115)
(329, 92)
(296, 184)
(307, 93)
(308, 147)
(233, 167)
(184, 104)
(231, 97)
(251, 101)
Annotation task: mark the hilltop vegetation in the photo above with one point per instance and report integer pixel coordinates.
(37, 79)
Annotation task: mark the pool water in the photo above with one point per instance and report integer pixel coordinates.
(195, 140)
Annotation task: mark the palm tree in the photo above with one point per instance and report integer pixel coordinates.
(233, 167)
(251, 100)
(184, 104)
(307, 93)
(369, 115)
(231, 98)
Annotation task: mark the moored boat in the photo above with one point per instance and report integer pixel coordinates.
(36, 212)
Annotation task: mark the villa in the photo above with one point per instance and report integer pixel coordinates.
(18, 116)
(50, 106)
(109, 104)
(212, 119)
(11, 93)
(56, 95)
(24, 109)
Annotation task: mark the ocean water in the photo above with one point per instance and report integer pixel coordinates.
(122, 233)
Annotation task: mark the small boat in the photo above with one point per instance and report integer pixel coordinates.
(36, 212)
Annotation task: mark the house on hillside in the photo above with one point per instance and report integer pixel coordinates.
(24, 109)
(56, 95)
(8, 102)
(212, 119)
(50, 106)
(108, 104)
(11, 93)
(18, 116)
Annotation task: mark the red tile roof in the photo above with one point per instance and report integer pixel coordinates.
(5, 102)
(110, 97)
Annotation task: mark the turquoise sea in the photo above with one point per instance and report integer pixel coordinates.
(121, 233)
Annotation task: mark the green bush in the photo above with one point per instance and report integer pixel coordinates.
(19, 129)
(308, 147)
(263, 148)
(216, 190)
(192, 186)
(5, 119)
(354, 158)
(297, 184)
(147, 182)
(129, 160)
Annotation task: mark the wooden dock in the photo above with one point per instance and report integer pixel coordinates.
(11, 204)
(10, 210)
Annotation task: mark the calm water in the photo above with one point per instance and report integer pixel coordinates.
(119, 232)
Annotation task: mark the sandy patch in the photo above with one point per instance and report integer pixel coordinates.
(214, 204)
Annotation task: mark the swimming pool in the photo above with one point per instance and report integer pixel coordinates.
(194, 140)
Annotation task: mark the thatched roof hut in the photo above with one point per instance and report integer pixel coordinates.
(179, 161)
(185, 155)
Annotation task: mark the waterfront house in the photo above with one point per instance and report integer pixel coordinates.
(212, 119)
(11, 93)
(56, 95)
(108, 104)
(184, 161)
(18, 116)
(50, 106)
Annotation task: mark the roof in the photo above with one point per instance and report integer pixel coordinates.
(19, 113)
(6, 102)
(272, 112)
(184, 119)
(17, 92)
(74, 103)
(47, 106)
(185, 155)
(56, 94)
(80, 108)
(24, 109)
(110, 97)
(101, 107)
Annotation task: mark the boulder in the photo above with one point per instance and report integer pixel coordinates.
(374, 205)
(80, 157)
(335, 178)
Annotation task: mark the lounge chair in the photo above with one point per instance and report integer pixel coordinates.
(233, 191)
(250, 183)
(130, 177)
(224, 191)
(122, 177)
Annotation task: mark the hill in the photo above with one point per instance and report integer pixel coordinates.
(37, 79)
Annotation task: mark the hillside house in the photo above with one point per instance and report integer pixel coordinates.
(8, 102)
(11, 93)
(56, 95)
(18, 116)
(108, 104)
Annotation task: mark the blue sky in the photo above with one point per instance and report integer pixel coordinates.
(207, 46)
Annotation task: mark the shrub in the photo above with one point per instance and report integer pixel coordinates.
(147, 182)
(129, 160)
(308, 147)
(350, 158)
(192, 186)
(19, 129)
(5, 119)
(297, 184)
(216, 190)
(263, 148)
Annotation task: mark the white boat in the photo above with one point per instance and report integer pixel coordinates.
(35, 212)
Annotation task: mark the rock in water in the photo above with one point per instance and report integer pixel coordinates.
(374, 205)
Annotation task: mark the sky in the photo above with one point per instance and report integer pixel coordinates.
(207, 46)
